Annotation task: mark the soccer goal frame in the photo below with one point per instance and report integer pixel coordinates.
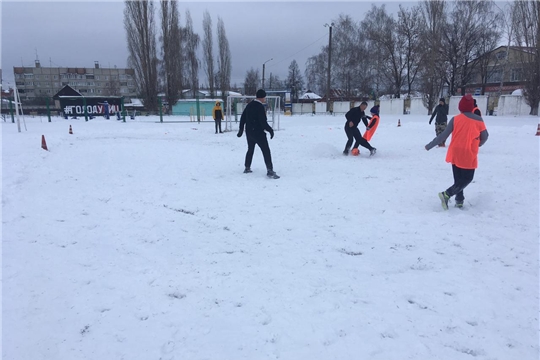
(237, 103)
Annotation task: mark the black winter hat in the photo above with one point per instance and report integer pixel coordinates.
(442, 99)
(261, 94)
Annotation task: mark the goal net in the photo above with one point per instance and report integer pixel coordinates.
(237, 103)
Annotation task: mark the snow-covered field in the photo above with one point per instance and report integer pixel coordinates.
(142, 240)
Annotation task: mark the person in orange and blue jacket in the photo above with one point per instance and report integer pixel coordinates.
(373, 123)
(468, 134)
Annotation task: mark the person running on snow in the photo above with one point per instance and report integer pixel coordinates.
(373, 123)
(353, 117)
(468, 134)
(254, 121)
(441, 111)
(217, 114)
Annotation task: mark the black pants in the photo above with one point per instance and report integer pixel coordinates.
(462, 178)
(353, 132)
(258, 139)
(218, 125)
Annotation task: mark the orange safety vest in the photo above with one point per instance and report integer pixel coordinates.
(463, 149)
(369, 133)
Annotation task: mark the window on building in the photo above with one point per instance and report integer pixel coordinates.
(501, 55)
(97, 77)
(516, 75)
(55, 77)
(91, 77)
(494, 76)
(28, 76)
(36, 77)
(122, 77)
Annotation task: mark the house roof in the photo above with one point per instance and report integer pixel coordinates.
(66, 91)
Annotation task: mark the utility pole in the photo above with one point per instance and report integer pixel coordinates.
(263, 72)
(329, 66)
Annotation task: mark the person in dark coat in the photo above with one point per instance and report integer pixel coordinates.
(354, 116)
(254, 122)
(217, 114)
(441, 114)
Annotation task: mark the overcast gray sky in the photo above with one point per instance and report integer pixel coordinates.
(77, 33)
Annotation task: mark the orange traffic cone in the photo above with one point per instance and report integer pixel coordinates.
(70, 130)
(43, 143)
(538, 130)
(398, 122)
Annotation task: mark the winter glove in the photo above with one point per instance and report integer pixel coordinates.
(240, 133)
(271, 133)
(430, 121)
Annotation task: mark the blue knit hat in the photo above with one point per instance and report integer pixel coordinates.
(375, 110)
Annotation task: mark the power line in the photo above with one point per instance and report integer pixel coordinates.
(296, 53)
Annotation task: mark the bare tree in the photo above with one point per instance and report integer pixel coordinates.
(224, 59)
(315, 72)
(141, 39)
(192, 41)
(463, 34)
(274, 83)
(251, 82)
(294, 81)
(490, 35)
(431, 69)
(381, 30)
(527, 33)
(172, 60)
(208, 51)
(113, 86)
(347, 54)
(409, 26)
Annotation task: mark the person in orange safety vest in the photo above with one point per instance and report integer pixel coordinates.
(373, 123)
(468, 134)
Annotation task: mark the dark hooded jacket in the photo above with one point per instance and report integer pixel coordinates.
(441, 113)
(355, 115)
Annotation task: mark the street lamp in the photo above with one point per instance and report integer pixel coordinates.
(329, 64)
(263, 71)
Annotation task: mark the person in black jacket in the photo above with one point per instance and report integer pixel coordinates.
(441, 113)
(254, 121)
(353, 117)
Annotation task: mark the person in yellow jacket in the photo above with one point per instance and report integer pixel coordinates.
(468, 134)
(217, 114)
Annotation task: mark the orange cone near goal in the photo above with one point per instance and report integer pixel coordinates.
(398, 122)
(70, 130)
(538, 130)
(43, 143)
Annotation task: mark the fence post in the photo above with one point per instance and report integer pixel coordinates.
(160, 110)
